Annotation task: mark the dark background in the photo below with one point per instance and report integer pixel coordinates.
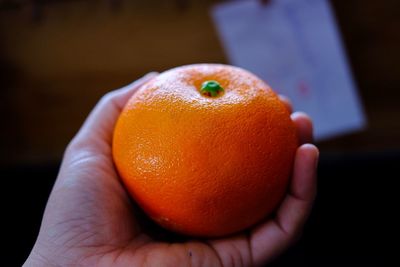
(58, 57)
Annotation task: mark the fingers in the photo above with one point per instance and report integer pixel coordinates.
(286, 101)
(304, 127)
(297, 205)
(270, 239)
(303, 122)
(101, 121)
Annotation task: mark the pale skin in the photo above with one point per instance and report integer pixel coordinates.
(89, 218)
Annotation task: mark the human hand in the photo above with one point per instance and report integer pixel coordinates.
(89, 218)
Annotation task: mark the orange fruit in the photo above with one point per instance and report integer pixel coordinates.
(205, 150)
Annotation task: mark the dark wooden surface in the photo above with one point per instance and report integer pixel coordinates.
(55, 68)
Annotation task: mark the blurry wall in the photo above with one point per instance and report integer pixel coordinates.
(59, 57)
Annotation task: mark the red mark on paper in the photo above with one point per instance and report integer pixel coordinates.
(303, 88)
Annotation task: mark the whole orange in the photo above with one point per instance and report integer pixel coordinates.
(205, 150)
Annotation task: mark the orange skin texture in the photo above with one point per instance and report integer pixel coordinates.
(205, 166)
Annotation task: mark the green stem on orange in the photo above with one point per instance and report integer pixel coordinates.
(211, 88)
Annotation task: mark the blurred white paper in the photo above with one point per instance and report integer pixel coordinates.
(296, 48)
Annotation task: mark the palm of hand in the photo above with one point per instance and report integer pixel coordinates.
(98, 228)
(89, 220)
